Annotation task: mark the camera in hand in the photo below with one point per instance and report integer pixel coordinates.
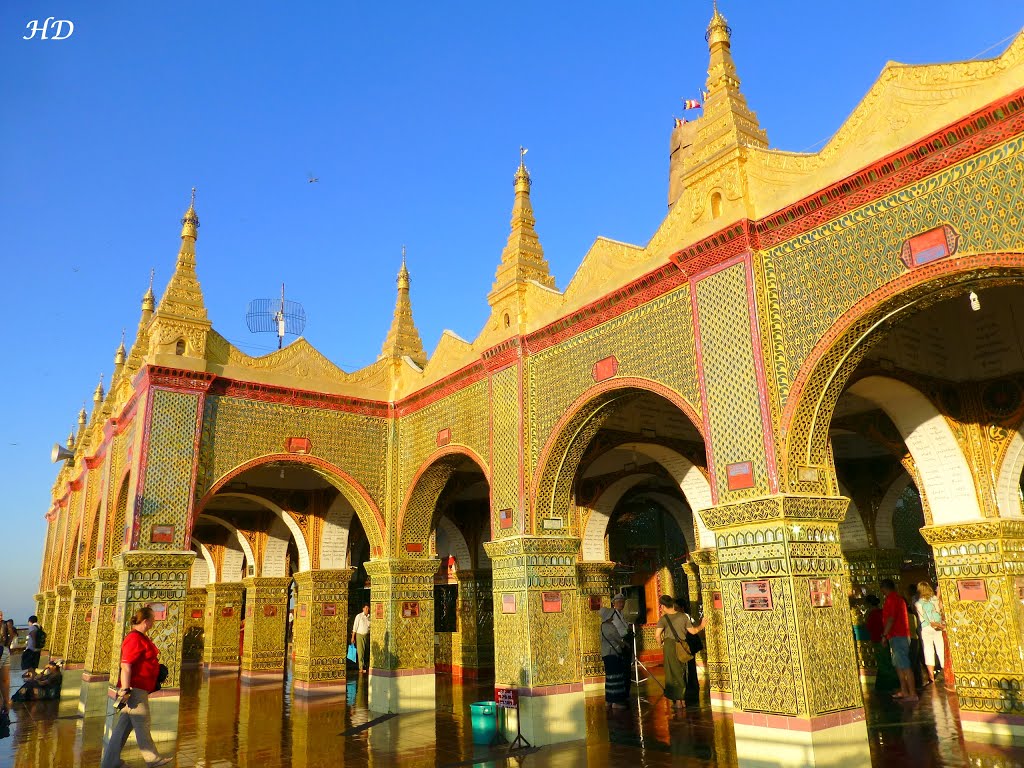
(123, 699)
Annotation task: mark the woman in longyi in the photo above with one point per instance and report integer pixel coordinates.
(671, 635)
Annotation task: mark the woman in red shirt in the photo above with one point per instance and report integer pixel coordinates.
(140, 666)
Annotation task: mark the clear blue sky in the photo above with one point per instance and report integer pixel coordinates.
(410, 114)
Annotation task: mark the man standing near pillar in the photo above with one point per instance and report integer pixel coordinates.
(896, 630)
(361, 639)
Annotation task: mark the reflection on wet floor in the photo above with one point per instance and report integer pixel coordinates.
(224, 724)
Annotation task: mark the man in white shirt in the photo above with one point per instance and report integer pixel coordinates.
(361, 639)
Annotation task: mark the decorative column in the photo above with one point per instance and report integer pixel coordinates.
(96, 674)
(693, 597)
(46, 618)
(195, 621)
(981, 584)
(594, 582)
(40, 599)
(159, 580)
(222, 627)
(869, 566)
(266, 615)
(402, 634)
(320, 632)
(473, 639)
(57, 635)
(716, 642)
(794, 670)
(79, 619)
(536, 630)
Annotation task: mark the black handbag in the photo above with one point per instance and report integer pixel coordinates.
(695, 643)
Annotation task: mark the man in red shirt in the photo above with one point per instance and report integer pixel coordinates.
(896, 630)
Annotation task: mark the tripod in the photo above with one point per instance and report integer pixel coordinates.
(638, 665)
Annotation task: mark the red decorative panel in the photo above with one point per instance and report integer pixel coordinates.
(329, 609)
(162, 534)
(269, 610)
(88, 616)
(595, 602)
(605, 369)
(971, 590)
(935, 244)
(227, 612)
(740, 475)
(506, 518)
(197, 613)
(414, 547)
(444, 437)
(508, 603)
(757, 595)
(551, 602)
(159, 611)
(378, 610)
(300, 445)
(716, 600)
(302, 610)
(410, 610)
(506, 698)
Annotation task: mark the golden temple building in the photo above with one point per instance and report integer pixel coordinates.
(810, 378)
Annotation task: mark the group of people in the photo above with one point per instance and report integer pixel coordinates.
(905, 631)
(674, 633)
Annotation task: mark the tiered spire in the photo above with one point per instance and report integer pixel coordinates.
(183, 297)
(523, 258)
(725, 108)
(403, 340)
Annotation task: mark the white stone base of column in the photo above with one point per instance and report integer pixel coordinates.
(402, 690)
(789, 742)
(163, 717)
(720, 700)
(991, 728)
(92, 697)
(549, 715)
(70, 691)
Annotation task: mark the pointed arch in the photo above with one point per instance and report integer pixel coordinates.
(457, 545)
(1008, 481)
(203, 568)
(235, 549)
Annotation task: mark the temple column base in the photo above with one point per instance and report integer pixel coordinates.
(92, 695)
(163, 713)
(830, 741)
(402, 690)
(992, 728)
(70, 691)
(547, 717)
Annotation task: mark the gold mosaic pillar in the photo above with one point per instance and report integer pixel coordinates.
(40, 599)
(402, 634)
(981, 583)
(794, 670)
(473, 644)
(222, 627)
(79, 619)
(96, 674)
(49, 611)
(159, 580)
(57, 637)
(321, 631)
(195, 622)
(693, 598)
(266, 616)
(716, 642)
(869, 566)
(537, 635)
(594, 582)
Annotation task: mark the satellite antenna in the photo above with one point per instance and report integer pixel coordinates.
(276, 316)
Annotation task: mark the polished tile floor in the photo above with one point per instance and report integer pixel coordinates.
(224, 724)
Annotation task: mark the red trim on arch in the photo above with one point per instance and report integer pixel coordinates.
(292, 458)
(968, 265)
(447, 450)
(604, 387)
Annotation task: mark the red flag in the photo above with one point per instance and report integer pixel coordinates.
(691, 104)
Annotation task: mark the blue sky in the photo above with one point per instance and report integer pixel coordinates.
(410, 114)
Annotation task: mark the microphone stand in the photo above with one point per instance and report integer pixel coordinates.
(637, 665)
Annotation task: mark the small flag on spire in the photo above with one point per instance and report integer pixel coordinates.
(691, 104)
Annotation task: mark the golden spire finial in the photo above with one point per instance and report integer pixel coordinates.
(97, 395)
(148, 299)
(71, 439)
(82, 415)
(718, 28)
(403, 340)
(522, 179)
(190, 221)
(120, 354)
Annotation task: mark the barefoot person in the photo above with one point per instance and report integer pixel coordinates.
(139, 669)
(671, 632)
(614, 653)
(361, 639)
(896, 629)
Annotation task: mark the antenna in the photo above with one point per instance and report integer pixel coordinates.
(273, 316)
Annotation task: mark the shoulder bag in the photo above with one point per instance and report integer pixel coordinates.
(682, 649)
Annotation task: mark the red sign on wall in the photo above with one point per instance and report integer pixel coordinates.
(740, 475)
(935, 244)
(88, 616)
(227, 612)
(302, 609)
(757, 595)
(299, 445)
(444, 436)
(506, 519)
(378, 610)
(821, 592)
(716, 600)
(551, 602)
(506, 698)
(159, 611)
(595, 602)
(162, 534)
(197, 613)
(410, 610)
(972, 590)
(329, 609)
(605, 369)
(270, 610)
(508, 603)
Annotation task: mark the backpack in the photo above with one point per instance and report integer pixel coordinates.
(40, 637)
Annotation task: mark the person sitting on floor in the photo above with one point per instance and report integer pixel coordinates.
(42, 685)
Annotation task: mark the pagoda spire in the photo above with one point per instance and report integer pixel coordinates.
(725, 107)
(180, 322)
(138, 349)
(522, 260)
(403, 340)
